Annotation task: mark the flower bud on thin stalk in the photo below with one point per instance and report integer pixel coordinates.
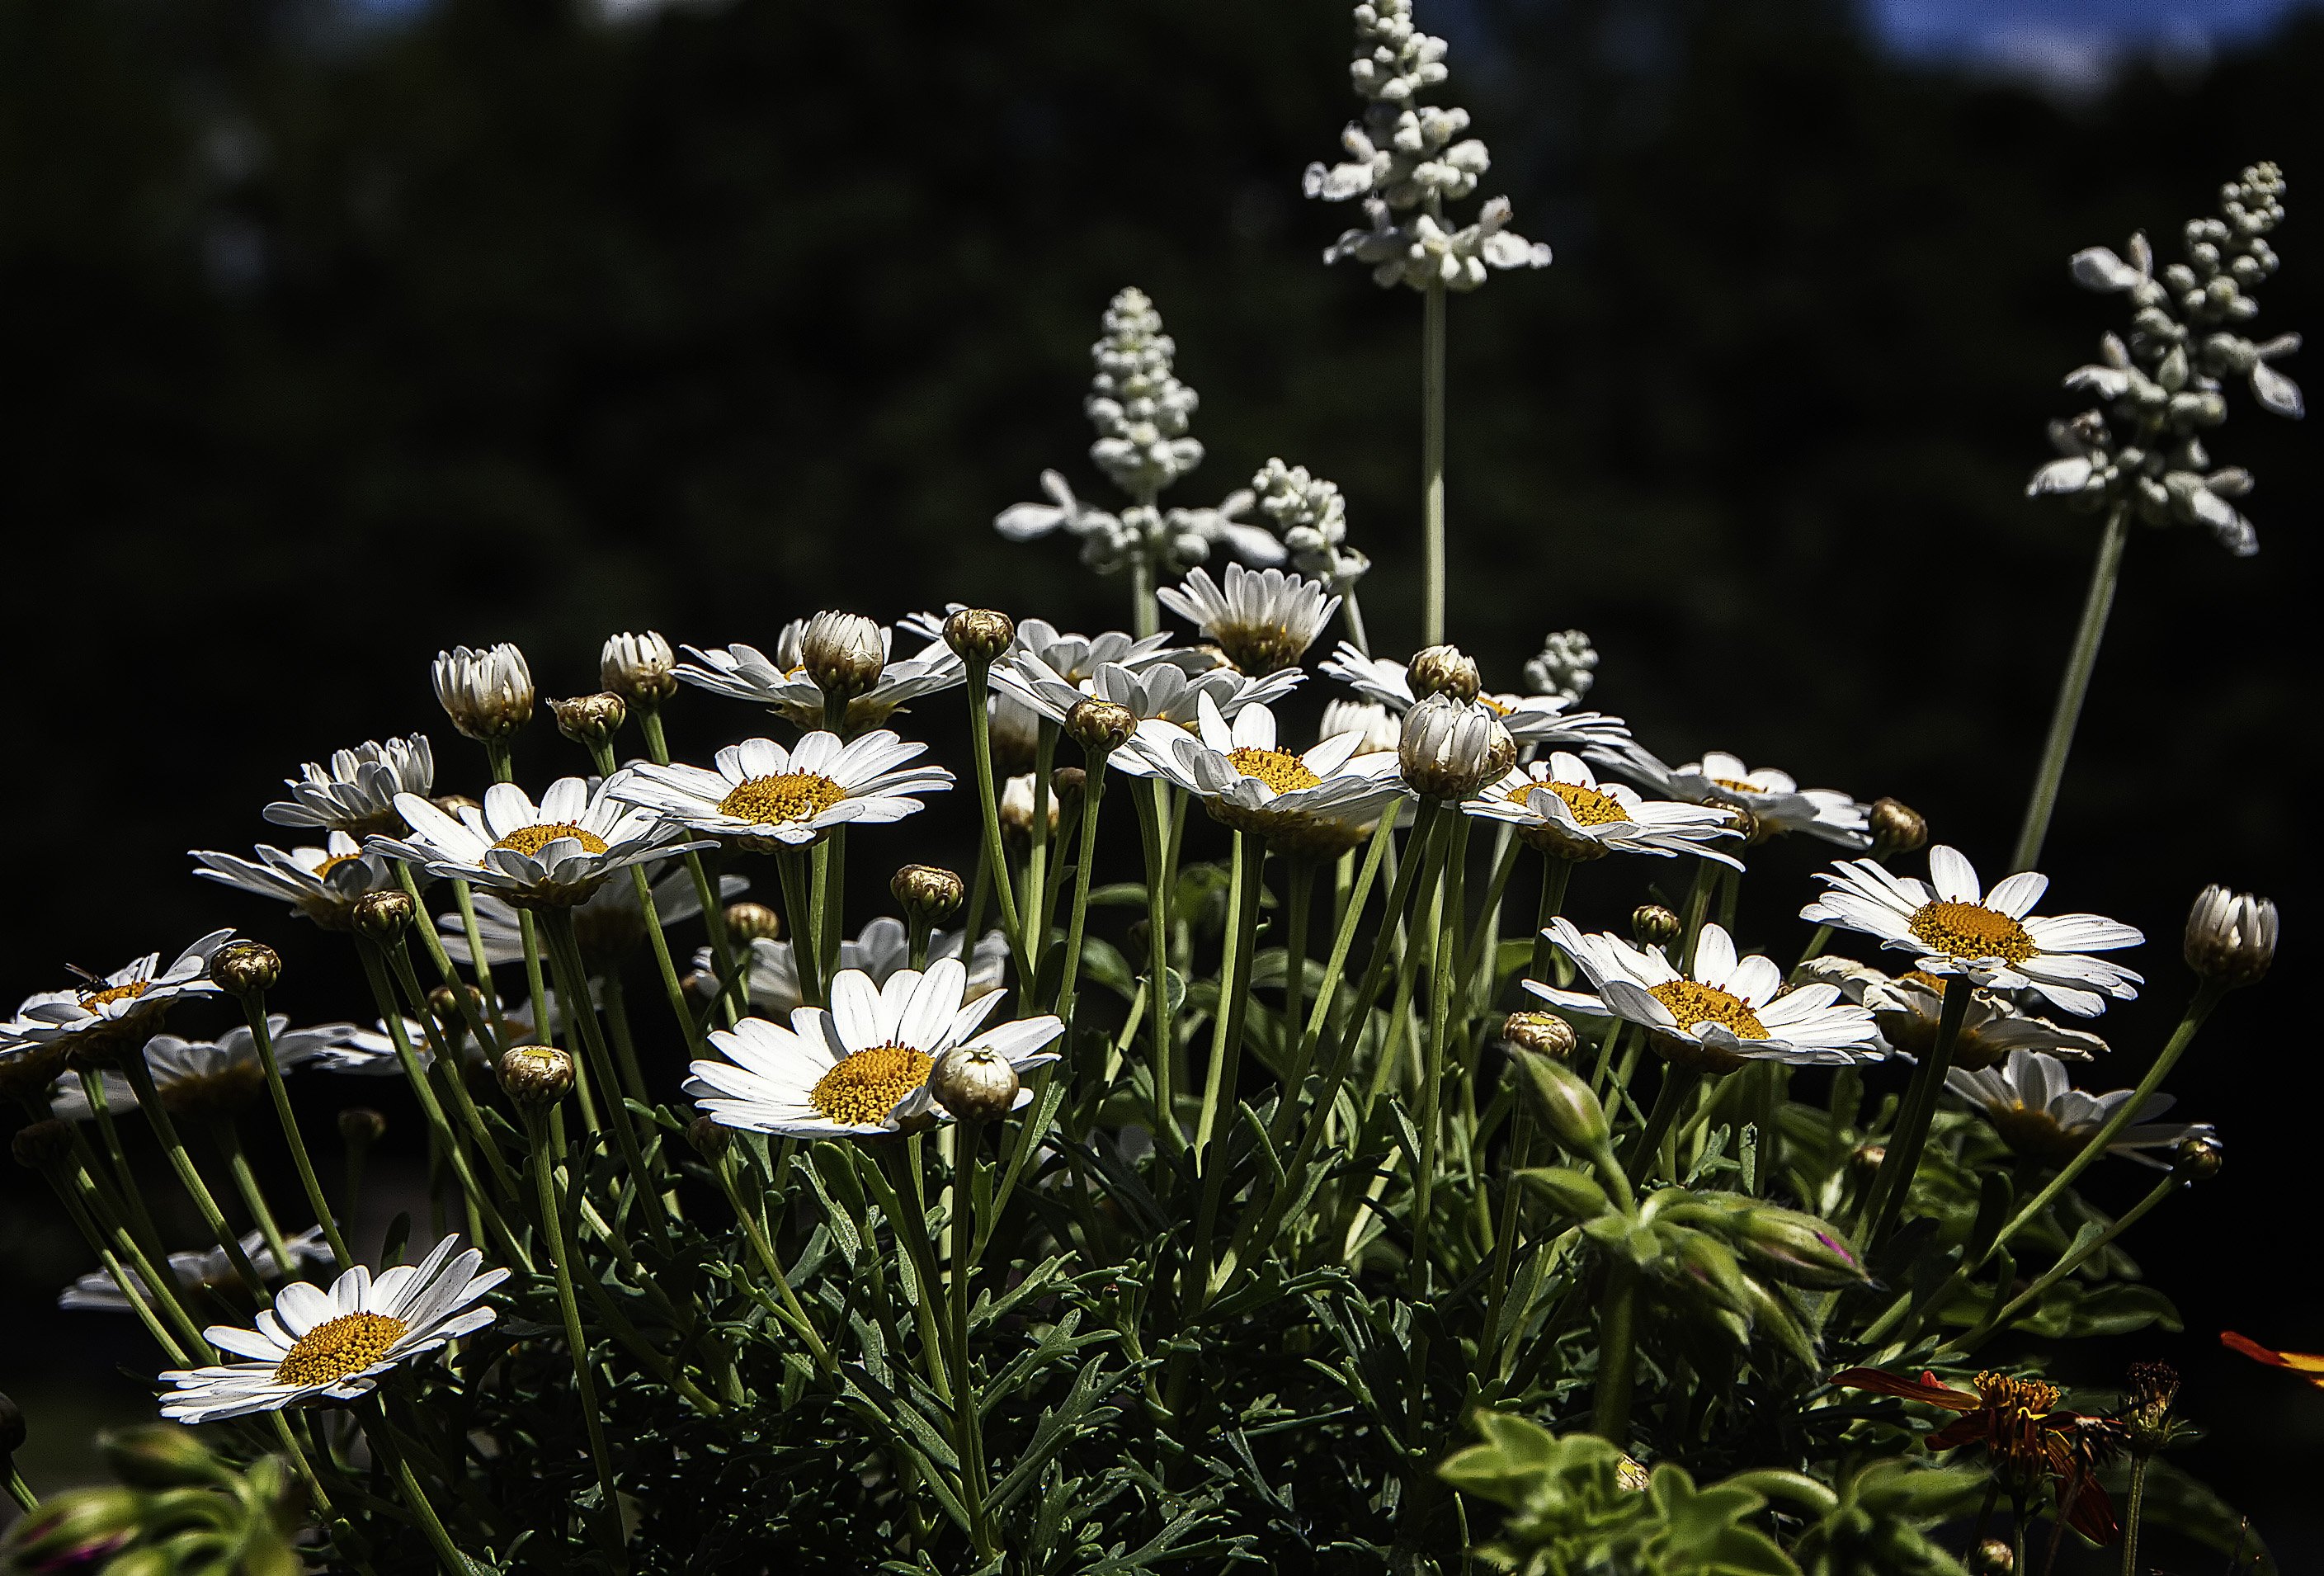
(1444, 670)
(1101, 726)
(750, 922)
(2199, 1156)
(640, 668)
(1652, 925)
(246, 968)
(975, 1083)
(1540, 1034)
(384, 917)
(487, 692)
(1896, 828)
(536, 1076)
(2230, 937)
(1449, 749)
(844, 655)
(978, 635)
(590, 720)
(929, 890)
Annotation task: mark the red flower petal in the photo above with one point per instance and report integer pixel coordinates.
(2299, 1361)
(1925, 1389)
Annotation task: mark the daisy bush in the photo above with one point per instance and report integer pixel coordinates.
(1205, 1095)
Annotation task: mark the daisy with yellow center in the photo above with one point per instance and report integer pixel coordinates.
(1954, 927)
(1775, 800)
(1264, 620)
(1559, 807)
(765, 797)
(1910, 1006)
(555, 854)
(1531, 719)
(354, 791)
(322, 884)
(2041, 1116)
(1163, 695)
(206, 1079)
(1320, 802)
(780, 683)
(315, 1345)
(106, 1015)
(1725, 1012)
(859, 1068)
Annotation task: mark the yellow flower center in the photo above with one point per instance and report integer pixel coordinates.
(1277, 768)
(1260, 649)
(1736, 785)
(1589, 807)
(1693, 1003)
(530, 840)
(92, 1000)
(338, 1347)
(323, 870)
(1498, 709)
(2013, 1396)
(791, 795)
(864, 1087)
(1971, 930)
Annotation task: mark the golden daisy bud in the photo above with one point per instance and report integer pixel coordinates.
(245, 968)
(842, 653)
(1652, 925)
(975, 1083)
(42, 1144)
(536, 1075)
(590, 719)
(384, 915)
(928, 891)
(640, 668)
(1543, 1034)
(978, 634)
(361, 1126)
(1896, 828)
(1443, 670)
(750, 922)
(1100, 725)
(487, 692)
(2199, 1156)
(2230, 937)
(708, 1139)
(1451, 749)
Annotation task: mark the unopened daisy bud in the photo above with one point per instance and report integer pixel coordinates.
(384, 915)
(487, 693)
(928, 891)
(1451, 749)
(536, 1075)
(1541, 1034)
(977, 635)
(1016, 807)
(1100, 725)
(1443, 670)
(975, 1083)
(1565, 1104)
(2199, 1156)
(11, 1428)
(1896, 828)
(640, 668)
(750, 922)
(246, 968)
(42, 1144)
(1068, 782)
(708, 1139)
(843, 654)
(590, 719)
(1993, 1557)
(2230, 937)
(453, 803)
(80, 1529)
(162, 1457)
(1652, 925)
(1798, 1249)
(360, 1127)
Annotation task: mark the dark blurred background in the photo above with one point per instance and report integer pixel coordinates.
(339, 335)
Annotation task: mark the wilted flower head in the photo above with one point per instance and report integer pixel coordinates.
(1406, 160)
(2164, 387)
(488, 694)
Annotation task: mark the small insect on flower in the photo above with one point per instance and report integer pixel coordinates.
(107, 1014)
(1957, 928)
(315, 1345)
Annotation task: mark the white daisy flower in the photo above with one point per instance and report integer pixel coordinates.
(1321, 802)
(117, 1012)
(1776, 802)
(1908, 1007)
(354, 791)
(1560, 807)
(859, 1068)
(370, 1053)
(1730, 1011)
(315, 1345)
(320, 884)
(1161, 694)
(1073, 657)
(1531, 719)
(207, 1078)
(2039, 1116)
(1954, 926)
(555, 854)
(1262, 619)
(1382, 728)
(610, 926)
(881, 951)
(780, 683)
(207, 1271)
(764, 798)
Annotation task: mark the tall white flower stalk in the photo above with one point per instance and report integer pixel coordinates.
(1408, 161)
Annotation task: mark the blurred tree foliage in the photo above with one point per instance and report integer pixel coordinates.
(332, 341)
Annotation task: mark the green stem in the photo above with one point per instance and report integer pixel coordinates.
(763, 1251)
(1092, 790)
(1609, 1416)
(1299, 882)
(253, 1011)
(415, 1498)
(1327, 987)
(1152, 805)
(798, 919)
(673, 987)
(968, 1439)
(2131, 1514)
(1035, 902)
(108, 1131)
(2073, 688)
(1678, 1084)
(1430, 1119)
(1144, 616)
(980, 740)
(1892, 1185)
(573, 985)
(1431, 464)
(1556, 874)
(447, 1053)
(563, 1256)
(254, 1199)
(1970, 1340)
(1226, 1038)
(189, 1176)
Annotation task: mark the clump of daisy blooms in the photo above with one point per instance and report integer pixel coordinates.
(1408, 160)
(2043, 1117)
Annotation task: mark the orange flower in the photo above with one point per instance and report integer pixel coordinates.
(2026, 1434)
(2300, 1363)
